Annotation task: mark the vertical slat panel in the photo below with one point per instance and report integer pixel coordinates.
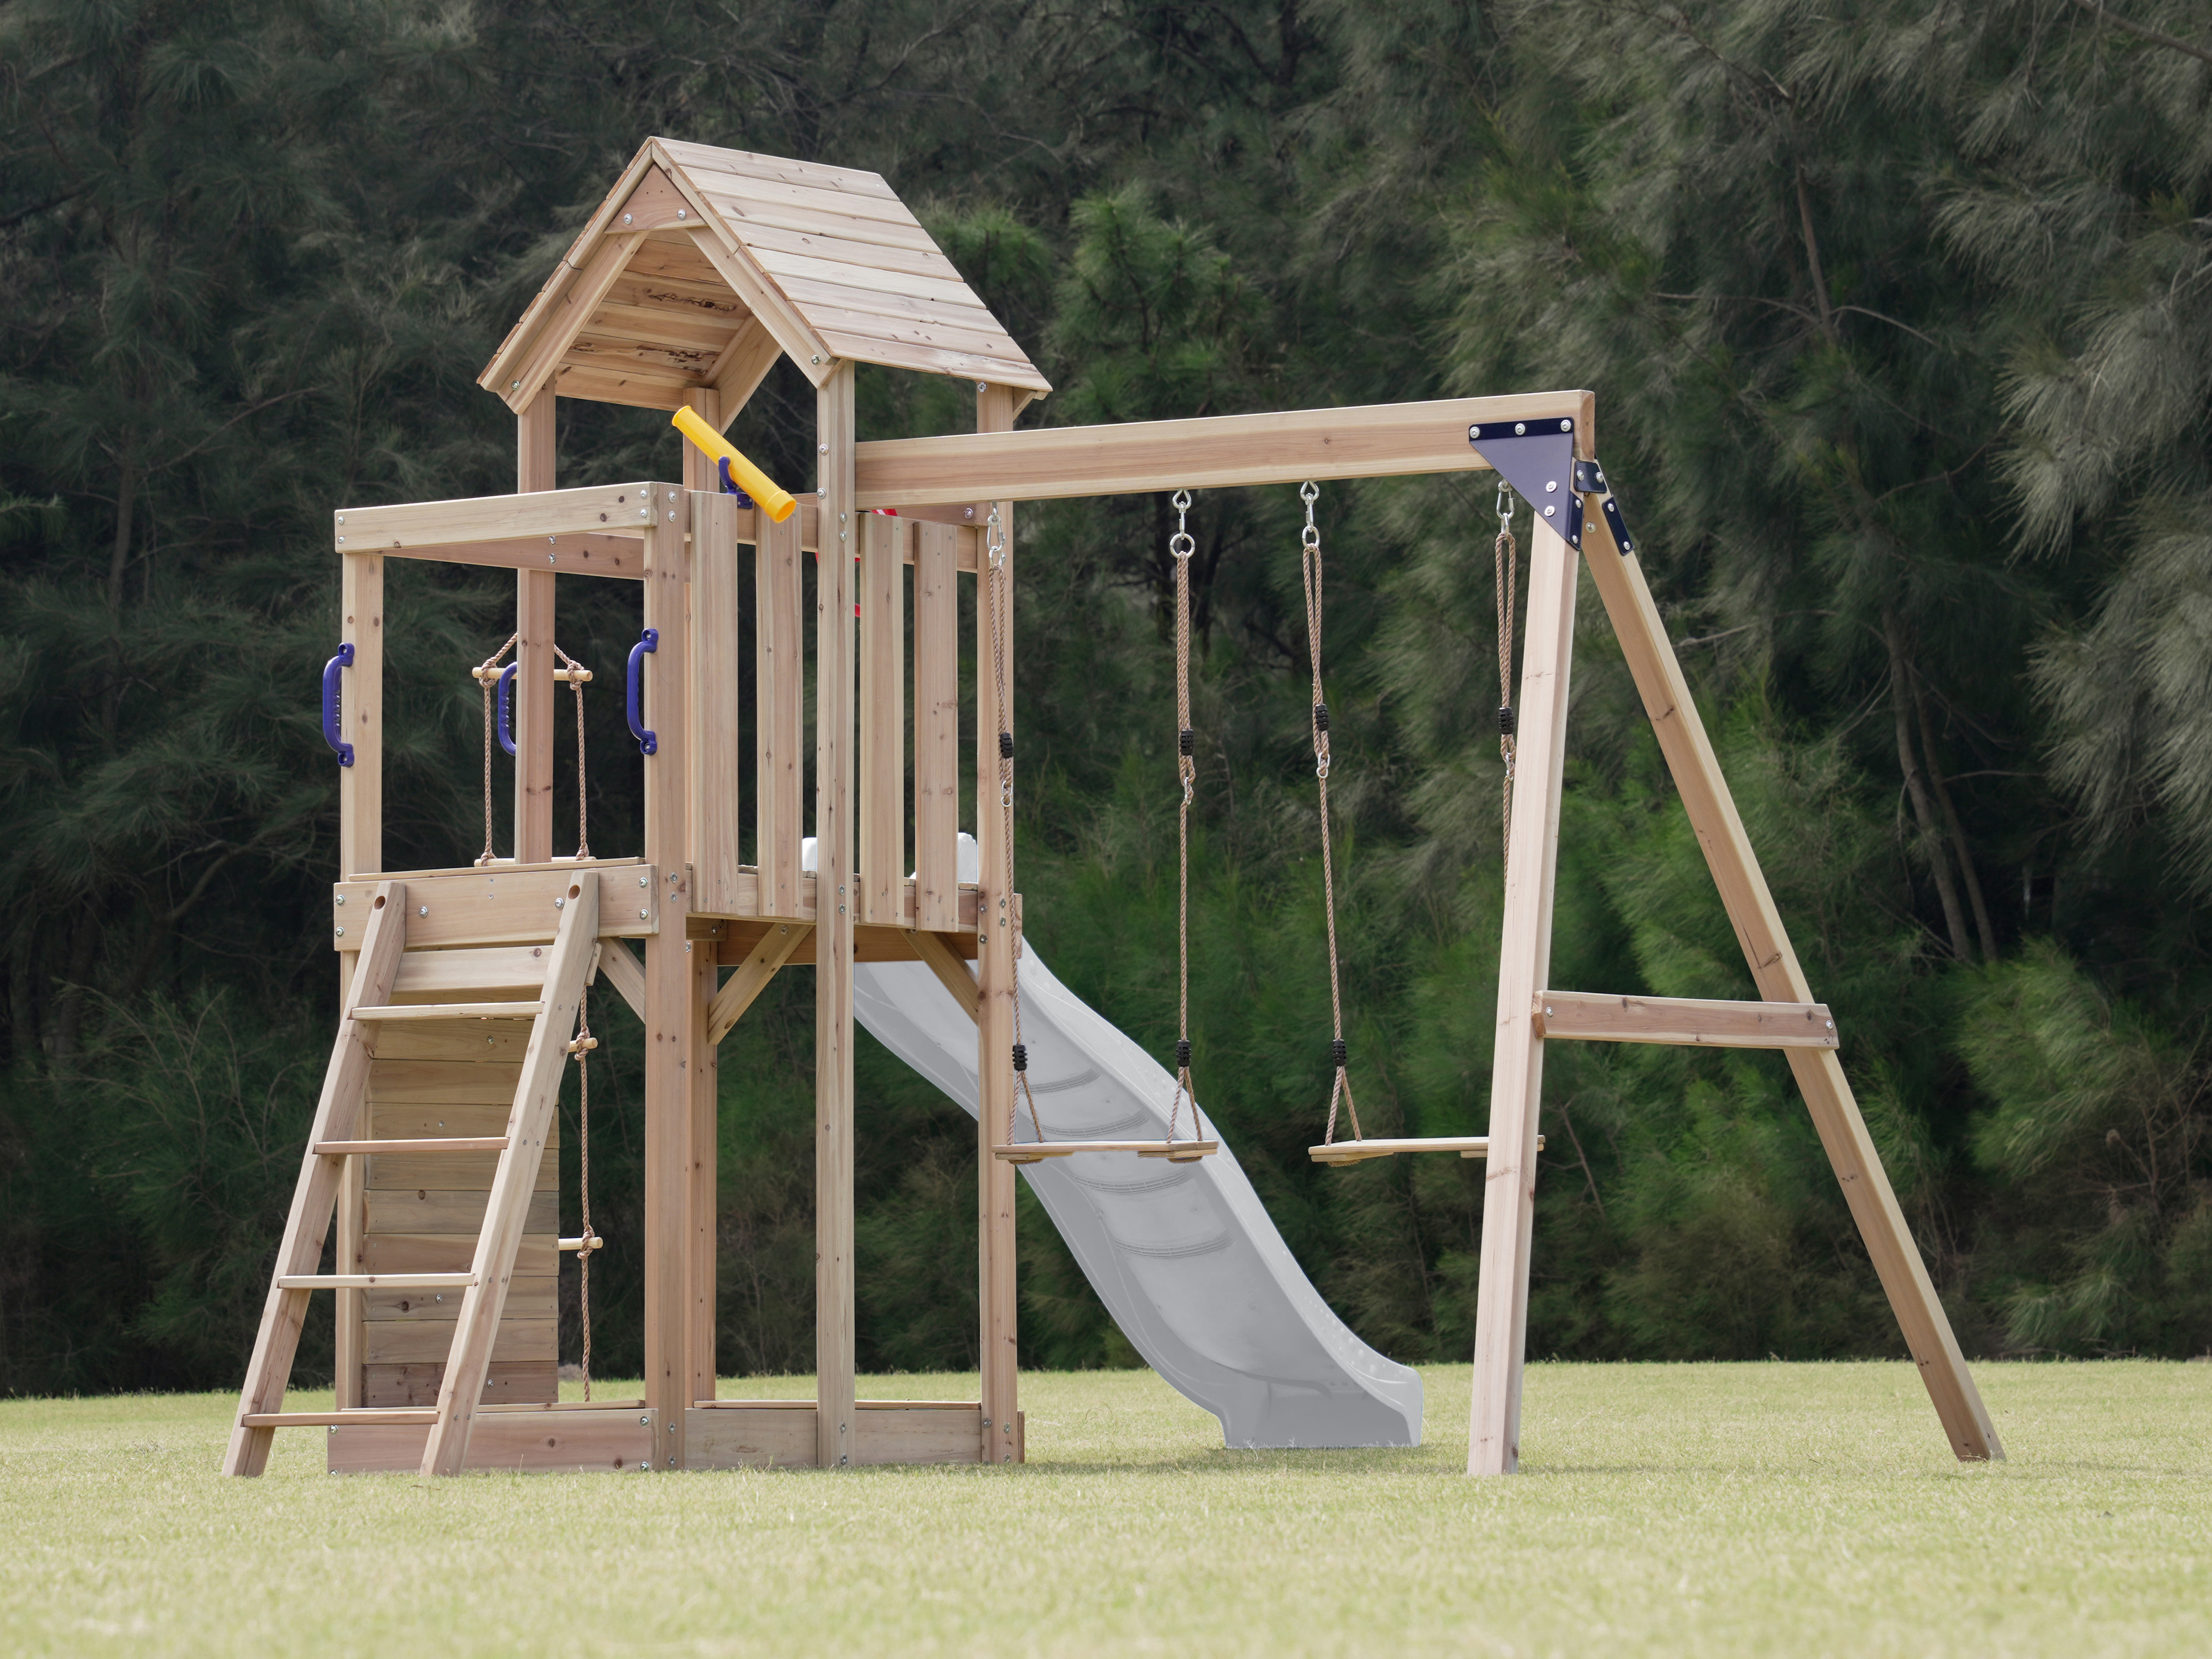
(937, 728)
(717, 659)
(834, 758)
(779, 710)
(361, 852)
(883, 719)
(995, 1023)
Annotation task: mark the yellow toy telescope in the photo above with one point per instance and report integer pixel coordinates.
(736, 469)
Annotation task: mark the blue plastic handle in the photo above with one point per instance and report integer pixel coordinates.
(649, 640)
(330, 670)
(505, 725)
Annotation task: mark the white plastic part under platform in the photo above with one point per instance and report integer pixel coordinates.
(1183, 1256)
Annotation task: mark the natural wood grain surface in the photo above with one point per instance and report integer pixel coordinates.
(1687, 1021)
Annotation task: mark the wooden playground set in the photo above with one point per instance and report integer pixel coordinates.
(462, 989)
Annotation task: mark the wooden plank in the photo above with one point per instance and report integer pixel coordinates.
(759, 966)
(677, 327)
(447, 1210)
(702, 1214)
(397, 1084)
(442, 1143)
(596, 509)
(407, 1342)
(832, 247)
(633, 388)
(610, 555)
(508, 1382)
(766, 301)
(532, 701)
(741, 210)
(719, 1438)
(1035, 1152)
(615, 1440)
(568, 313)
(399, 1172)
(881, 871)
(758, 190)
(994, 971)
(835, 758)
(686, 365)
(919, 1434)
(927, 360)
(459, 1281)
(869, 943)
(815, 280)
(654, 201)
(479, 1327)
(530, 1298)
(414, 1010)
(707, 302)
(495, 970)
(779, 714)
(397, 1253)
(1775, 969)
(950, 969)
(314, 1197)
(671, 1013)
(718, 658)
(751, 902)
(1376, 441)
(361, 850)
(320, 1419)
(701, 159)
(1591, 1017)
(1516, 1078)
(503, 904)
(936, 729)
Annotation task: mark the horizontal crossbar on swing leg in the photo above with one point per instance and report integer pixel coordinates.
(1358, 1151)
(1035, 1152)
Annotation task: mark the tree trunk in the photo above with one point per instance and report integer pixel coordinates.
(1966, 871)
(1916, 786)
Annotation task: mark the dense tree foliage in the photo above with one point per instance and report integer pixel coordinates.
(1900, 318)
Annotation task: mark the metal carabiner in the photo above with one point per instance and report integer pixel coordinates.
(1504, 505)
(1180, 545)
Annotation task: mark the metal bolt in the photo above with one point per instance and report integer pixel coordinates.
(423, 910)
(341, 517)
(1518, 429)
(625, 218)
(818, 356)
(687, 947)
(967, 512)
(645, 1419)
(641, 915)
(550, 559)
(1548, 1013)
(1549, 509)
(560, 903)
(341, 541)
(983, 386)
(821, 449)
(341, 898)
(840, 909)
(683, 213)
(341, 932)
(1566, 426)
(821, 490)
(642, 880)
(1550, 485)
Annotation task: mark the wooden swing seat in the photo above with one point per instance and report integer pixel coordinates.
(1339, 1152)
(1035, 1152)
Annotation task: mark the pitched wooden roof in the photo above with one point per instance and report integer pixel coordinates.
(703, 265)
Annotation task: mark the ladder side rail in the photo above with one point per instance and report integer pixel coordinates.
(314, 1199)
(461, 1391)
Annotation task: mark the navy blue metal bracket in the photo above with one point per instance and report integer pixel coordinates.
(1537, 458)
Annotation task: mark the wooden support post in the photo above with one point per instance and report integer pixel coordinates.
(1774, 968)
(361, 853)
(672, 1007)
(834, 902)
(780, 712)
(937, 728)
(704, 1146)
(718, 657)
(699, 471)
(994, 965)
(883, 719)
(533, 651)
(1516, 1073)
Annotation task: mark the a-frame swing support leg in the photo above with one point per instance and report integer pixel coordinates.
(1501, 1319)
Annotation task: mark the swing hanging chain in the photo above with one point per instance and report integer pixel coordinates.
(486, 674)
(1506, 557)
(1181, 546)
(998, 594)
(585, 1044)
(1309, 569)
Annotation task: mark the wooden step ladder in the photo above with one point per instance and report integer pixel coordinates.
(467, 985)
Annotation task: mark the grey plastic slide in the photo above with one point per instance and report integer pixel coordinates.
(1182, 1255)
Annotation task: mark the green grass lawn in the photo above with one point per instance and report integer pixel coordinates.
(1663, 1509)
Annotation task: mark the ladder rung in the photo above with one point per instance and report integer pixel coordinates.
(371, 1415)
(374, 1281)
(571, 1245)
(451, 1010)
(392, 1148)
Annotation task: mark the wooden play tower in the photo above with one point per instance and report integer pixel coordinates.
(460, 988)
